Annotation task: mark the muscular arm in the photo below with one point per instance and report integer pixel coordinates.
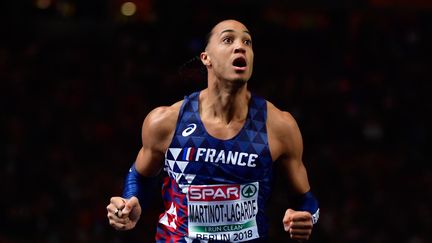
(157, 131)
(286, 147)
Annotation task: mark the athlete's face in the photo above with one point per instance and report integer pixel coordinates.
(229, 55)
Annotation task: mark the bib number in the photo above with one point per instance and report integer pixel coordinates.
(223, 212)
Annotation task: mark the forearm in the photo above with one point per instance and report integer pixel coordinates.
(134, 185)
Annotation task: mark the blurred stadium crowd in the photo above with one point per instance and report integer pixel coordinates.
(77, 82)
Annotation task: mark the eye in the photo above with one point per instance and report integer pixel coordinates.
(247, 42)
(227, 40)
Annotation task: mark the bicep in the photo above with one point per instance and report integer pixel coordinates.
(148, 162)
(156, 134)
(291, 151)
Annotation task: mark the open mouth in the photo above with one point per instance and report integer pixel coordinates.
(239, 62)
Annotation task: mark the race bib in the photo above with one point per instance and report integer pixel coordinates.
(223, 212)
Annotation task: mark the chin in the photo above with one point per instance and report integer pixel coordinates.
(241, 78)
(239, 82)
(244, 78)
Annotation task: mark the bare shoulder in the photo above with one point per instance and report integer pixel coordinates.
(278, 120)
(163, 115)
(160, 123)
(283, 132)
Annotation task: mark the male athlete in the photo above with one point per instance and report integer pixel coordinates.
(216, 149)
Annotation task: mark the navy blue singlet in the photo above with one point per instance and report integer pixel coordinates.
(216, 190)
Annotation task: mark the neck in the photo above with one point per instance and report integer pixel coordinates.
(225, 102)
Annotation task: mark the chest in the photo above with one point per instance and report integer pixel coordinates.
(196, 157)
(221, 130)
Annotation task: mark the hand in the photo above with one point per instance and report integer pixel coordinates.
(123, 214)
(298, 224)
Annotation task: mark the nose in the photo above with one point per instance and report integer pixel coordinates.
(239, 48)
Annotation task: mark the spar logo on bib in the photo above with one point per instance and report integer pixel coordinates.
(249, 190)
(214, 193)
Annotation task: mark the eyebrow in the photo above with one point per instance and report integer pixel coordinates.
(230, 30)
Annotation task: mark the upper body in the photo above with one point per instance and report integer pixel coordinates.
(223, 110)
(284, 138)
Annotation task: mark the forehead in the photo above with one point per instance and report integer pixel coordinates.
(230, 26)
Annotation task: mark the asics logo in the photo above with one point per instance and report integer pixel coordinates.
(189, 130)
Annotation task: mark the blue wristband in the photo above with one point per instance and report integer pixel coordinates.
(134, 184)
(307, 202)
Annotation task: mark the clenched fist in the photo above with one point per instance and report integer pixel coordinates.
(298, 224)
(123, 214)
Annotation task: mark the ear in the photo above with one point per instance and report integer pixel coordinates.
(205, 59)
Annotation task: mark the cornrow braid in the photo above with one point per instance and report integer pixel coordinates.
(192, 69)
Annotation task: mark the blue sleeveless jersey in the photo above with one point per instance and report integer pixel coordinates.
(216, 190)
